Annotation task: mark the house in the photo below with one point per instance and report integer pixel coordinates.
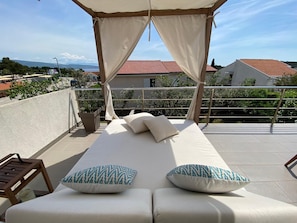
(263, 71)
(91, 76)
(143, 73)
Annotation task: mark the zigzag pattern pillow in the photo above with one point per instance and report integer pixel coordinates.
(207, 179)
(101, 179)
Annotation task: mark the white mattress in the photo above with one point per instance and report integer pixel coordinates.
(119, 145)
(68, 206)
(173, 205)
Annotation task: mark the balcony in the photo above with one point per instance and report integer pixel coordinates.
(256, 150)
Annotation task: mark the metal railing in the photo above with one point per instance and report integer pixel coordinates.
(260, 104)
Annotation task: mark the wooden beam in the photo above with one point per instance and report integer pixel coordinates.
(208, 28)
(217, 5)
(153, 13)
(88, 10)
(100, 56)
(99, 50)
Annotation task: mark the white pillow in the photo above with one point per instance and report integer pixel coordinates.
(135, 121)
(207, 179)
(101, 179)
(160, 127)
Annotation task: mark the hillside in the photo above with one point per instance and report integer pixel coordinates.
(85, 67)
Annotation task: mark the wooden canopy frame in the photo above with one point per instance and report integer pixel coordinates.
(209, 12)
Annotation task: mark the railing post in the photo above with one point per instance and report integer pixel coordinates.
(142, 96)
(277, 109)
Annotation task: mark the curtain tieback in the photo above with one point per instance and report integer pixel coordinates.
(213, 20)
(95, 20)
(201, 82)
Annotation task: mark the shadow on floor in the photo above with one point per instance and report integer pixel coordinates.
(291, 170)
(81, 132)
(56, 172)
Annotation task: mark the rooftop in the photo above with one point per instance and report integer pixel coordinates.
(5, 86)
(270, 67)
(249, 149)
(153, 67)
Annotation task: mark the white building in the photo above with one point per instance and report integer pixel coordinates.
(263, 71)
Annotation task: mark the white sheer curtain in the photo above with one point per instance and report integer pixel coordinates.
(119, 36)
(184, 37)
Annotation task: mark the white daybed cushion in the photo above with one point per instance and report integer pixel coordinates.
(173, 205)
(207, 179)
(68, 206)
(135, 121)
(101, 179)
(160, 127)
(152, 161)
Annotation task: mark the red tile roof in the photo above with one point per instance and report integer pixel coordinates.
(172, 67)
(210, 69)
(143, 67)
(5, 86)
(153, 67)
(270, 67)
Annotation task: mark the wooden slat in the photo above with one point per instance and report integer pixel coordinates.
(152, 13)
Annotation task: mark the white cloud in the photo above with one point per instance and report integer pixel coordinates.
(73, 58)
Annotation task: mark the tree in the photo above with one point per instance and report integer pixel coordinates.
(12, 67)
(249, 82)
(287, 80)
(213, 63)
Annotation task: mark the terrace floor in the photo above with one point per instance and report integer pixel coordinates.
(255, 152)
(249, 149)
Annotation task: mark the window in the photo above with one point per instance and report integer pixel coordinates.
(149, 82)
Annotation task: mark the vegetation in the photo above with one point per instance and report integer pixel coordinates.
(28, 89)
(8, 67)
(247, 104)
(177, 101)
(90, 100)
(287, 80)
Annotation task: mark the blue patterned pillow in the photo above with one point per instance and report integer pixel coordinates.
(101, 179)
(207, 179)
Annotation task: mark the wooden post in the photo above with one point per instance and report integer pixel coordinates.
(100, 55)
(99, 49)
(208, 28)
(98, 43)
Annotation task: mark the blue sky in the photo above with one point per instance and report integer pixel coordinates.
(41, 30)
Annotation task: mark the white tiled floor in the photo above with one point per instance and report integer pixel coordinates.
(261, 157)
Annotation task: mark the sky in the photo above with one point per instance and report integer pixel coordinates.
(35, 30)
